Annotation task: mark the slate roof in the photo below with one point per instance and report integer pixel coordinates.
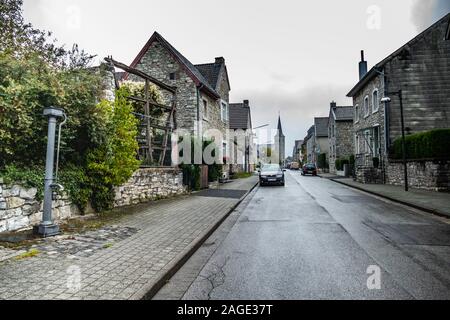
(279, 128)
(321, 126)
(210, 71)
(372, 73)
(240, 117)
(195, 74)
(343, 113)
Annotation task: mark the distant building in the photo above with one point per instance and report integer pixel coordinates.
(297, 152)
(242, 146)
(321, 144)
(420, 69)
(340, 133)
(310, 145)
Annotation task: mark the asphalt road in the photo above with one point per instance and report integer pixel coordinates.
(316, 239)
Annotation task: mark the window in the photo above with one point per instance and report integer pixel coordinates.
(375, 102)
(366, 106)
(205, 109)
(172, 76)
(224, 149)
(356, 113)
(223, 111)
(357, 143)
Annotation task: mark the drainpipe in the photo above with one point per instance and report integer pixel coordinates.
(386, 127)
(198, 108)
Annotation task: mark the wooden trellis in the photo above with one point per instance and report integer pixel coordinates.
(150, 145)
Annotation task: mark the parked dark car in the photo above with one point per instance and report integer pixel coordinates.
(271, 174)
(309, 169)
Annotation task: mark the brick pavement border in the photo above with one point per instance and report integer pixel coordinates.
(151, 288)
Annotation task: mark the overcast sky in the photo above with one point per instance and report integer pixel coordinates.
(292, 57)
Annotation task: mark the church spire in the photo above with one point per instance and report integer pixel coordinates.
(279, 128)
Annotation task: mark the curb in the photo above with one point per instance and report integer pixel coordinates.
(151, 288)
(412, 205)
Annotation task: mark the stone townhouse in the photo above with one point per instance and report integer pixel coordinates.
(242, 148)
(421, 69)
(340, 134)
(310, 145)
(202, 95)
(297, 151)
(321, 144)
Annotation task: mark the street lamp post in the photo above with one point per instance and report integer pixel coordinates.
(402, 120)
(47, 227)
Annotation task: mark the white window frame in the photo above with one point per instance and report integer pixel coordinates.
(375, 104)
(356, 113)
(366, 108)
(223, 116)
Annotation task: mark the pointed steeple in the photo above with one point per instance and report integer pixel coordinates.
(279, 128)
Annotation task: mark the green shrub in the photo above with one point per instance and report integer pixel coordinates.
(322, 162)
(351, 159)
(73, 179)
(376, 162)
(433, 144)
(339, 163)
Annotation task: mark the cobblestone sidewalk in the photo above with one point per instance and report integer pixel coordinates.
(120, 261)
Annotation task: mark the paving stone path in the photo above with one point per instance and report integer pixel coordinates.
(116, 261)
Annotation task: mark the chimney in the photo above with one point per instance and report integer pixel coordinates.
(220, 60)
(245, 103)
(333, 104)
(362, 66)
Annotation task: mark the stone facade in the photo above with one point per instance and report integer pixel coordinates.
(340, 134)
(420, 69)
(429, 175)
(148, 184)
(19, 208)
(159, 63)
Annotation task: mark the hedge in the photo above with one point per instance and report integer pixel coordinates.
(433, 144)
(339, 163)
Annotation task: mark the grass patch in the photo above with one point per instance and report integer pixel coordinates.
(107, 245)
(29, 254)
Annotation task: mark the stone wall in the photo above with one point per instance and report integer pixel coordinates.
(429, 175)
(20, 209)
(148, 184)
(369, 175)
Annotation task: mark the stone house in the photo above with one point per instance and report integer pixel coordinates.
(421, 69)
(340, 133)
(242, 148)
(297, 151)
(321, 144)
(202, 96)
(310, 145)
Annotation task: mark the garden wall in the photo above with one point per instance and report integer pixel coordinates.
(429, 175)
(19, 208)
(148, 184)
